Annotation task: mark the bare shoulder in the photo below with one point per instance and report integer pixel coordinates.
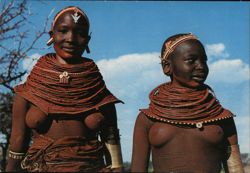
(107, 108)
(20, 99)
(230, 131)
(228, 126)
(143, 121)
(20, 103)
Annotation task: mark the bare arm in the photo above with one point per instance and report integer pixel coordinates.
(232, 162)
(111, 137)
(141, 146)
(19, 139)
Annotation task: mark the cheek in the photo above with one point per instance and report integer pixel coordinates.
(182, 72)
(181, 78)
(207, 70)
(58, 38)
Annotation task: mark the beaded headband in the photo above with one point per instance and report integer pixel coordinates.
(172, 44)
(75, 9)
(75, 18)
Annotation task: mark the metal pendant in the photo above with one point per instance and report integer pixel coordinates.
(199, 125)
(75, 17)
(64, 77)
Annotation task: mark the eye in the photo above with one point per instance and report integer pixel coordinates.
(80, 30)
(63, 31)
(190, 60)
(205, 59)
(82, 34)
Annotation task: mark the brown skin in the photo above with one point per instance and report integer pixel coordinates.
(182, 148)
(70, 40)
(188, 65)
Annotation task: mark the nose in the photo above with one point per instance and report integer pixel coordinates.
(70, 37)
(201, 65)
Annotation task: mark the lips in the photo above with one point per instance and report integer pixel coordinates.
(200, 77)
(69, 49)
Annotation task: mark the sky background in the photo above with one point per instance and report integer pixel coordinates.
(126, 41)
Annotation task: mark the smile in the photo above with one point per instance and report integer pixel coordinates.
(199, 77)
(69, 49)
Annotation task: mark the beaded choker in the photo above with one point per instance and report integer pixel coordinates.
(70, 89)
(185, 106)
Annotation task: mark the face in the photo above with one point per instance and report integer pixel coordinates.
(70, 38)
(189, 64)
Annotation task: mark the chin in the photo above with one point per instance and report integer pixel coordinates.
(196, 84)
(192, 84)
(68, 56)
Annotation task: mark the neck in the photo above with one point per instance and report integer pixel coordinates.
(70, 61)
(174, 84)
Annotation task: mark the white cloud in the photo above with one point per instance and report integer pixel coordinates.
(28, 64)
(216, 50)
(225, 70)
(228, 71)
(243, 132)
(133, 73)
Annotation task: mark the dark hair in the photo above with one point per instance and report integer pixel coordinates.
(171, 38)
(83, 13)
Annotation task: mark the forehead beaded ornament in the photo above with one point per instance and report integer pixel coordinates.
(77, 14)
(172, 44)
(75, 17)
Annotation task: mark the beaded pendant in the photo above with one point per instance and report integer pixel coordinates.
(64, 77)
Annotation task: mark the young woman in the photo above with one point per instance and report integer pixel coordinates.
(65, 107)
(185, 127)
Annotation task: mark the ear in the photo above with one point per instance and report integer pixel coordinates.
(51, 40)
(166, 66)
(51, 33)
(87, 47)
(89, 37)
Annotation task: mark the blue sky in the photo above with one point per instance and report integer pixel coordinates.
(126, 40)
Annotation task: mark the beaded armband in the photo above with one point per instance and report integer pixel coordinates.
(112, 143)
(116, 155)
(234, 162)
(16, 155)
(112, 134)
